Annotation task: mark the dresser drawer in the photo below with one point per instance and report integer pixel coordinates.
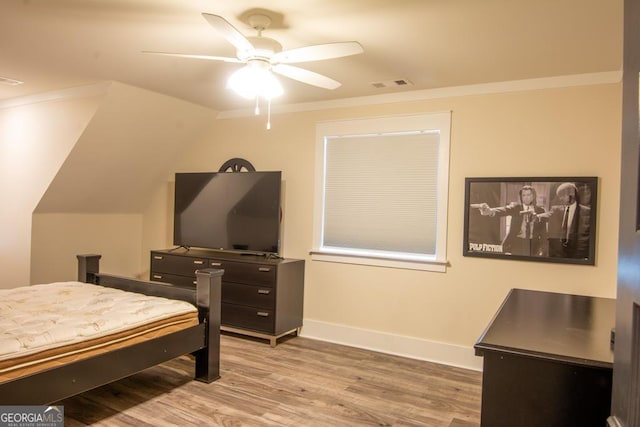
(247, 317)
(254, 296)
(261, 296)
(248, 273)
(185, 281)
(176, 264)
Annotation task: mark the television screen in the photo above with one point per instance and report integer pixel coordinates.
(236, 211)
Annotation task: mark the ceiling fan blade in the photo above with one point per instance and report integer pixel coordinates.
(187, 55)
(228, 31)
(306, 76)
(318, 52)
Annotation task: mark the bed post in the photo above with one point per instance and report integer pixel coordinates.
(209, 293)
(88, 267)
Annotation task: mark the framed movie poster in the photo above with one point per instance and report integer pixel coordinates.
(532, 219)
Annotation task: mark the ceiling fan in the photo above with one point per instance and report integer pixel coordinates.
(263, 55)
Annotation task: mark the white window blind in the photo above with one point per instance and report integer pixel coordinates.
(380, 192)
(383, 195)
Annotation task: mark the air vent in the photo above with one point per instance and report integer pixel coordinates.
(392, 83)
(9, 82)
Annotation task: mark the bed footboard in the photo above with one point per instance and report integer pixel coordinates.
(206, 296)
(209, 296)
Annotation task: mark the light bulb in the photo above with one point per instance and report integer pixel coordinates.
(255, 80)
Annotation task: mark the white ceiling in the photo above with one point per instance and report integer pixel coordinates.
(59, 44)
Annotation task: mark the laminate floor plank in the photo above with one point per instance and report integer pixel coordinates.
(300, 382)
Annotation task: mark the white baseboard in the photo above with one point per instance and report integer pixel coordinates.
(414, 348)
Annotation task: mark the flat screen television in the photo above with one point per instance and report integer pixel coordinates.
(229, 211)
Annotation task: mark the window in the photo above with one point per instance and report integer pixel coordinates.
(381, 191)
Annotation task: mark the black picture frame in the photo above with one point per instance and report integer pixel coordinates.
(499, 222)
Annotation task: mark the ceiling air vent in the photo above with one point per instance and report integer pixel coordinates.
(392, 83)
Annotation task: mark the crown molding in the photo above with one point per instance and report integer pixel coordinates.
(589, 79)
(99, 88)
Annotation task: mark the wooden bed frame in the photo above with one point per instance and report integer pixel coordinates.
(202, 340)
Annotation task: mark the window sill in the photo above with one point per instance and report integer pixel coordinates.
(426, 265)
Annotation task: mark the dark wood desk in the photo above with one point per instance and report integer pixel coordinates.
(547, 361)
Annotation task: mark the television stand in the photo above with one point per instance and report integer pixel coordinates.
(262, 296)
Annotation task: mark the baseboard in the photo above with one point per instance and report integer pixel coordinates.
(414, 348)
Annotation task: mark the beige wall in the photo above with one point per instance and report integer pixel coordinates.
(96, 201)
(435, 316)
(58, 237)
(34, 142)
(552, 132)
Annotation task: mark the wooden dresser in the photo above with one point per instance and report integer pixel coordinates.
(261, 296)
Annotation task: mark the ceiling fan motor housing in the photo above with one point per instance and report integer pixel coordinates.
(263, 47)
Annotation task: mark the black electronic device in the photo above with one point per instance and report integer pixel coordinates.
(228, 211)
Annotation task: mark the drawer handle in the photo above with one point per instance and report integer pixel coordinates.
(158, 257)
(264, 291)
(157, 276)
(195, 282)
(264, 269)
(262, 314)
(198, 262)
(216, 264)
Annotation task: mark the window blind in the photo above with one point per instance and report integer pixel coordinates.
(380, 192)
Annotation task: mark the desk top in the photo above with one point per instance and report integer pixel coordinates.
(546, 325)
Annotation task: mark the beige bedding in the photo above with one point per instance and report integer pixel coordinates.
(64, 321)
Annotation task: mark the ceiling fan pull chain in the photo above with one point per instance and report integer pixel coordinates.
(257, 110)
(269, 114)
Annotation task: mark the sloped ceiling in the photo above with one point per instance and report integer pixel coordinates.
(126, 149)
(55, 44)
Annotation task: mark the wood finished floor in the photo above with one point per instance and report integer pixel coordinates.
(301, 382)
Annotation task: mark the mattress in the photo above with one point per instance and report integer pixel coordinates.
(57, 322)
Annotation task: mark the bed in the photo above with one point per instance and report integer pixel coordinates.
(184, 321)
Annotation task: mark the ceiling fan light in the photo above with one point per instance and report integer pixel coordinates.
(255, 80)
